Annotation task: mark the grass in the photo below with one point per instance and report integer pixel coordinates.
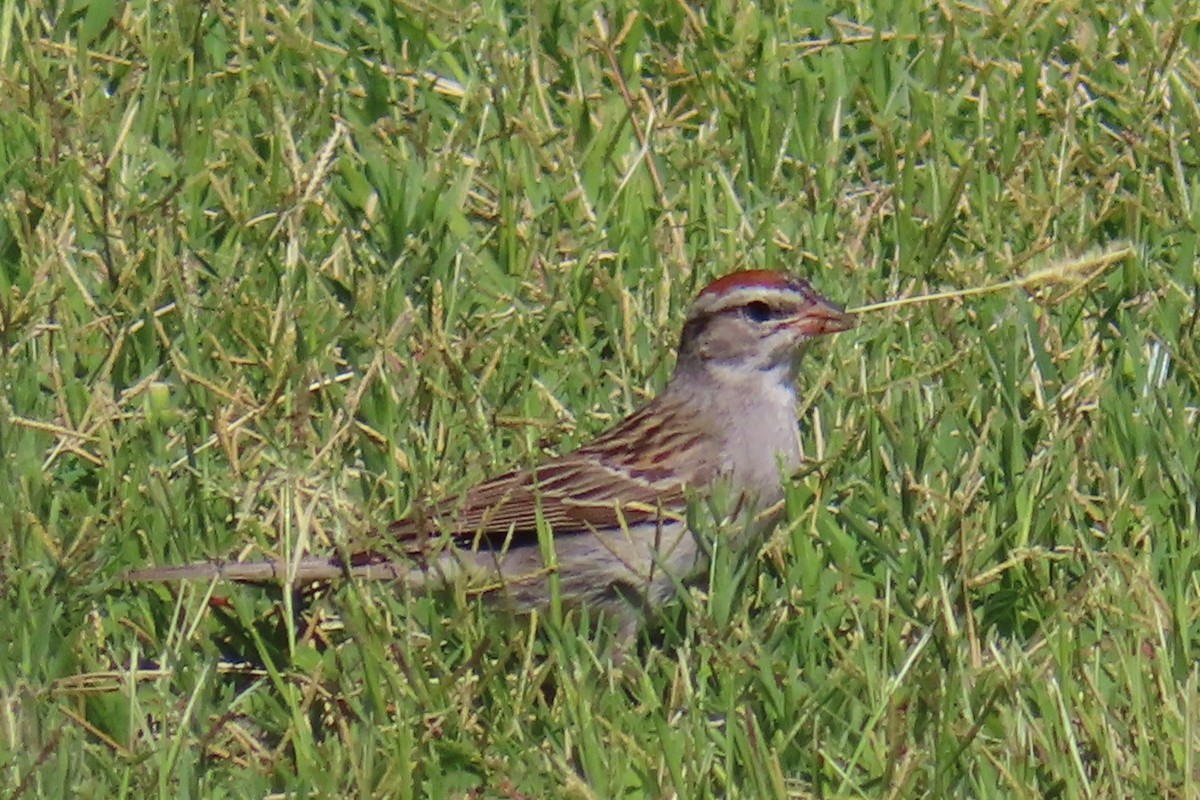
(268, 274)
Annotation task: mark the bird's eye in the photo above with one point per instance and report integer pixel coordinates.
(758, 311)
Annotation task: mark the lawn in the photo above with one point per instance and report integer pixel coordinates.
(272, 274)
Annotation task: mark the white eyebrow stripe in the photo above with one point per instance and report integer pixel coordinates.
(750, 294)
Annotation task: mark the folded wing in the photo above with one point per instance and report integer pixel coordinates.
(639, 471)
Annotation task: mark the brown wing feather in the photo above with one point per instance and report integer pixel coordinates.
(621, 476)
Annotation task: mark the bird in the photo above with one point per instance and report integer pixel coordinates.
(609, 520)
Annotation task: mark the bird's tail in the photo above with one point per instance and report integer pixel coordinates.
(309, 568)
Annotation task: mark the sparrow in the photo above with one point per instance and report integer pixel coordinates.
(609, 519)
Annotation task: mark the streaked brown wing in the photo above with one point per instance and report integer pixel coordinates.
(637, 471)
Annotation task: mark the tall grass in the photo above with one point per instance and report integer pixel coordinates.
(269, 274)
